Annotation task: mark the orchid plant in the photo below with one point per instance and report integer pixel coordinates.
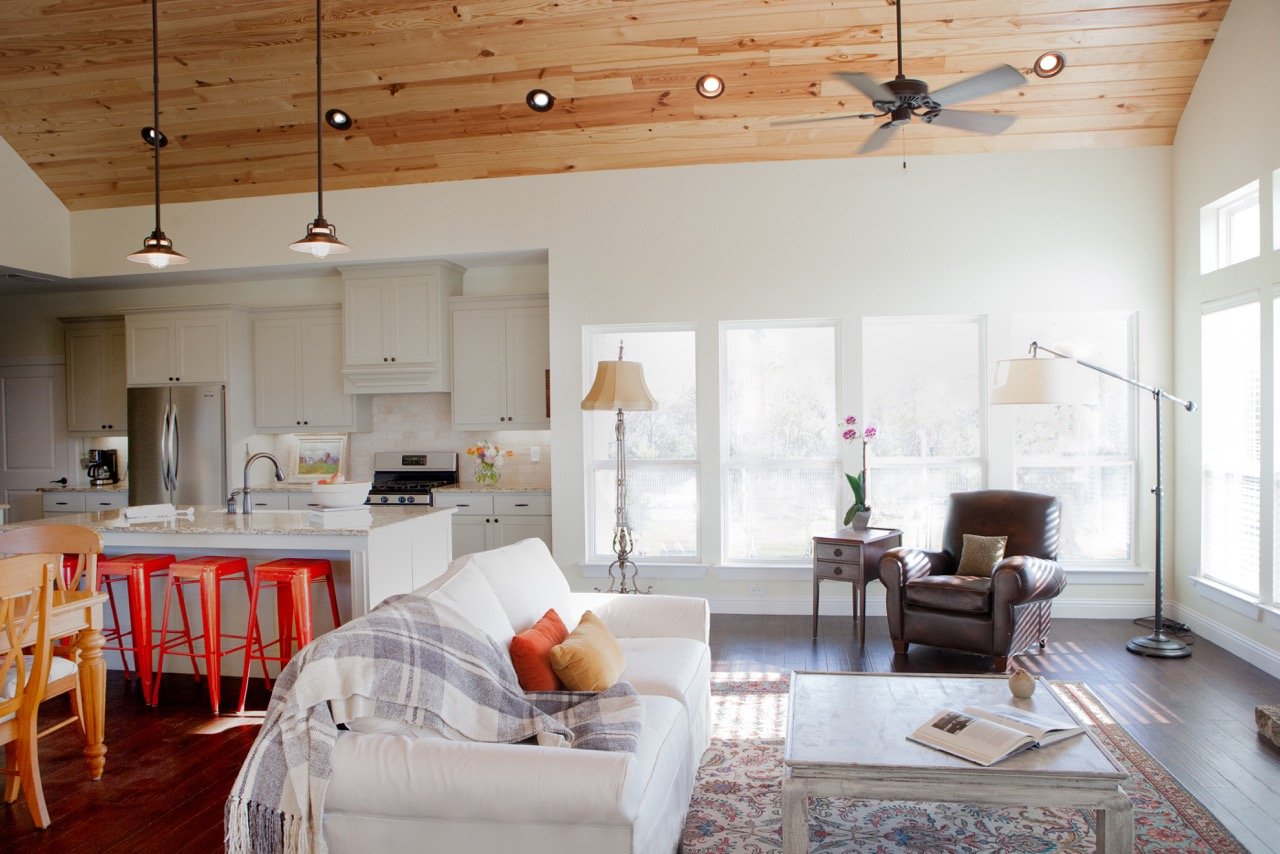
(857, 482)
(490, 458)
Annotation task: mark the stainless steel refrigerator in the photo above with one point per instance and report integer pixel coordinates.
(178, 444)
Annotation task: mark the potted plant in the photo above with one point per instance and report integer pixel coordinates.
(859, 513)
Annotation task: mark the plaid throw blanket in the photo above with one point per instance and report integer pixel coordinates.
(421, 663)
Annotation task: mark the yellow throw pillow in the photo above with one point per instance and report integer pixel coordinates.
(590, 658)
(979, 555)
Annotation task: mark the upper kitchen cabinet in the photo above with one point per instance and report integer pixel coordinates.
(297, 372)
(165, 347)
(396, 333)
(501, 362)
(96, 399)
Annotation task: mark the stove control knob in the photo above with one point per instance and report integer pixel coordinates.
(411, 499)
(383, 499)
(400, 499)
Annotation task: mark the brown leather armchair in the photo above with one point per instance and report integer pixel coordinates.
(998, 616)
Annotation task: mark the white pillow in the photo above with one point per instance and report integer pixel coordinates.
(469, 593)
(527, 581)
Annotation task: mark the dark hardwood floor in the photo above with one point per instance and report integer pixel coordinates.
(169, 769)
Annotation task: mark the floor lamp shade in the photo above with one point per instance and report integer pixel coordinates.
(1051, 380)
(619, 385)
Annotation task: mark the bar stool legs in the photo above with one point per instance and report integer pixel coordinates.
(136, 571)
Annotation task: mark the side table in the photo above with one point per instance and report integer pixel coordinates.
(852, 555)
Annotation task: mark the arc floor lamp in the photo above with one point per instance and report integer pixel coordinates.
(1055, 380)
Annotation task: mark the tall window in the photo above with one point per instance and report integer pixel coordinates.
(1230, 357)
(662, 448)
(1084, 454)
(923, 387)
(778, 416)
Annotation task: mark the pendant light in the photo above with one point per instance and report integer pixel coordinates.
(157, 250)
(321, 239)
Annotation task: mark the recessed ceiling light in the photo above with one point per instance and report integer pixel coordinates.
(710, 86)
(338, 119)
(149, 135)
(540, 100)
(1049, 64)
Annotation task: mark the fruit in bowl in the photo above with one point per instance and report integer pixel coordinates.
(341, 494)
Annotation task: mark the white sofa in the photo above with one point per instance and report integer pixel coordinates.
(395, 789)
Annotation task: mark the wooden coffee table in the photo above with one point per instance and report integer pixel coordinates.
(847, 737)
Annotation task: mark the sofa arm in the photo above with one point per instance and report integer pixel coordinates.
(649, 616)
(1020, 579)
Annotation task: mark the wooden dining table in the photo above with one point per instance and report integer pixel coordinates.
(77, 614)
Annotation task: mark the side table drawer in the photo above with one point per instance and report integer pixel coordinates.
(841, 552)
(843, 571)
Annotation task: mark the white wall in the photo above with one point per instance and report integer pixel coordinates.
(1226, 138)
(35, 228)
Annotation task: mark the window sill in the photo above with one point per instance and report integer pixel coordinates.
(1271, 617)
(1215, 591)
(649, 571)
(1096, 574)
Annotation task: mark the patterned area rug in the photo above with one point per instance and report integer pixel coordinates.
(736, 807)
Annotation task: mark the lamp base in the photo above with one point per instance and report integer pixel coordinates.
(1158, 645)
(619, 581)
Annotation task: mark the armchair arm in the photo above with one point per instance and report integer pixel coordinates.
(1020, 579)
(897, 567)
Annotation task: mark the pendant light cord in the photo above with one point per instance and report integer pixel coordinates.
(319, 133)
(155, 98)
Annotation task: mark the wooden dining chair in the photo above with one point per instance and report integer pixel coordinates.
(26, 597)
(76, 550)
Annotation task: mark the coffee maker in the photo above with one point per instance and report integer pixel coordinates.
(103, 469)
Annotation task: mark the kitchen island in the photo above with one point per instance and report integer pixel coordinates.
(398, 550)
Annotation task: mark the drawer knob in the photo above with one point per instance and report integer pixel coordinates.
(838, 553)
(839, 570)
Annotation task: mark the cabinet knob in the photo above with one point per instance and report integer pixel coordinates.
(839, 570)
(306, 422)
(393, 358)
(170, 379)
(385, 359)
(297, 422)
(838, 552)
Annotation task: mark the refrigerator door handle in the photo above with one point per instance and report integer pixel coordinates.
(175, 447)
(164, 449)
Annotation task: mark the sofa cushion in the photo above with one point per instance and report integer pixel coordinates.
(468, 592)
(527, 581)
(590, 658)
(962, 594)
(531, 653)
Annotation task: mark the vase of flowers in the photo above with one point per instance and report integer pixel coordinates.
(489, 458)
(859, 513)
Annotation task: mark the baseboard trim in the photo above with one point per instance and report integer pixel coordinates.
(1245, 648)
(841, 604)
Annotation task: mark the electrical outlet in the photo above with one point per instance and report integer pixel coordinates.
(756, 589)
(535, 454)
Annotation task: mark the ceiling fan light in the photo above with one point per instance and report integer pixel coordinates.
(540, 100)
(1049, 64)
(157, 252)
(710, 86)
(339, 119)
(320, 241)
(149, 135)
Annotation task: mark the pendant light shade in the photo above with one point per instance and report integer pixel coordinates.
(321, 239)
(157, 250)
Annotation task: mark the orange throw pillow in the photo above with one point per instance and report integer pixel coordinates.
(531, 653)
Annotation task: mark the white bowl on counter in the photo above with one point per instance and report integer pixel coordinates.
(345, 494)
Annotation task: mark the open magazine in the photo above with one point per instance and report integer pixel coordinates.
(987, 734)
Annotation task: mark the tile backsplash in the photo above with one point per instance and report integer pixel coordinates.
(424, 422)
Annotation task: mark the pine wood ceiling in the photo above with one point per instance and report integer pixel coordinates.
(437, 88)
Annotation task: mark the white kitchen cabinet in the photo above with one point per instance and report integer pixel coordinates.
(96, 399)
(297, 372)
(263, 500)
(302, 501)
(501, 362)
(396, 332)
(83, 502)
(488, 520)
(167, 347)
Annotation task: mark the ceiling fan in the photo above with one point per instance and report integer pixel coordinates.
(903, 98)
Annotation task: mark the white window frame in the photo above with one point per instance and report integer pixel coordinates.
(1215, 227)
(591, 465)
(1130, 369)
(983, 458)
(837, 458)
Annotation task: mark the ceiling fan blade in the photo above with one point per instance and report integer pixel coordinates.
(867, 86)
(989, 123)
(987, 83)
(879, 138)
(840, 118)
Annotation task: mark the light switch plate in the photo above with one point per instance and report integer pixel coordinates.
(535, 454)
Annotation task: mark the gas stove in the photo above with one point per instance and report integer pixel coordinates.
(407, 477)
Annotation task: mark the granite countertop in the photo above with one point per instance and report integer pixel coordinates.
(490, 487)
(115, 487)
(216, 520)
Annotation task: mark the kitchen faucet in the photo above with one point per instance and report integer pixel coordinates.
(246, 502)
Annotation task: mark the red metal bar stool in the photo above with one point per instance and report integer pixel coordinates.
(136, 572)
(292, 578)
(208, 572)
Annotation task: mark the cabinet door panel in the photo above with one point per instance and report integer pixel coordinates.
(527, 359)
(324, 403)
(479, 356)
(115, 395)
(415, 338)
(469, 534)
(513, 529)
(365, 309)
(150, 354)
(202, 350)
(277, 350)
(86, 394)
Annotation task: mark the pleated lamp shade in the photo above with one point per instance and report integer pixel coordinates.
(619, 385)
(1033, 380)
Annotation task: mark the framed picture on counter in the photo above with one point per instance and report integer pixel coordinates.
(318, 457)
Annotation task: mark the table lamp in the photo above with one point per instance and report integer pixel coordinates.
(620, 385)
